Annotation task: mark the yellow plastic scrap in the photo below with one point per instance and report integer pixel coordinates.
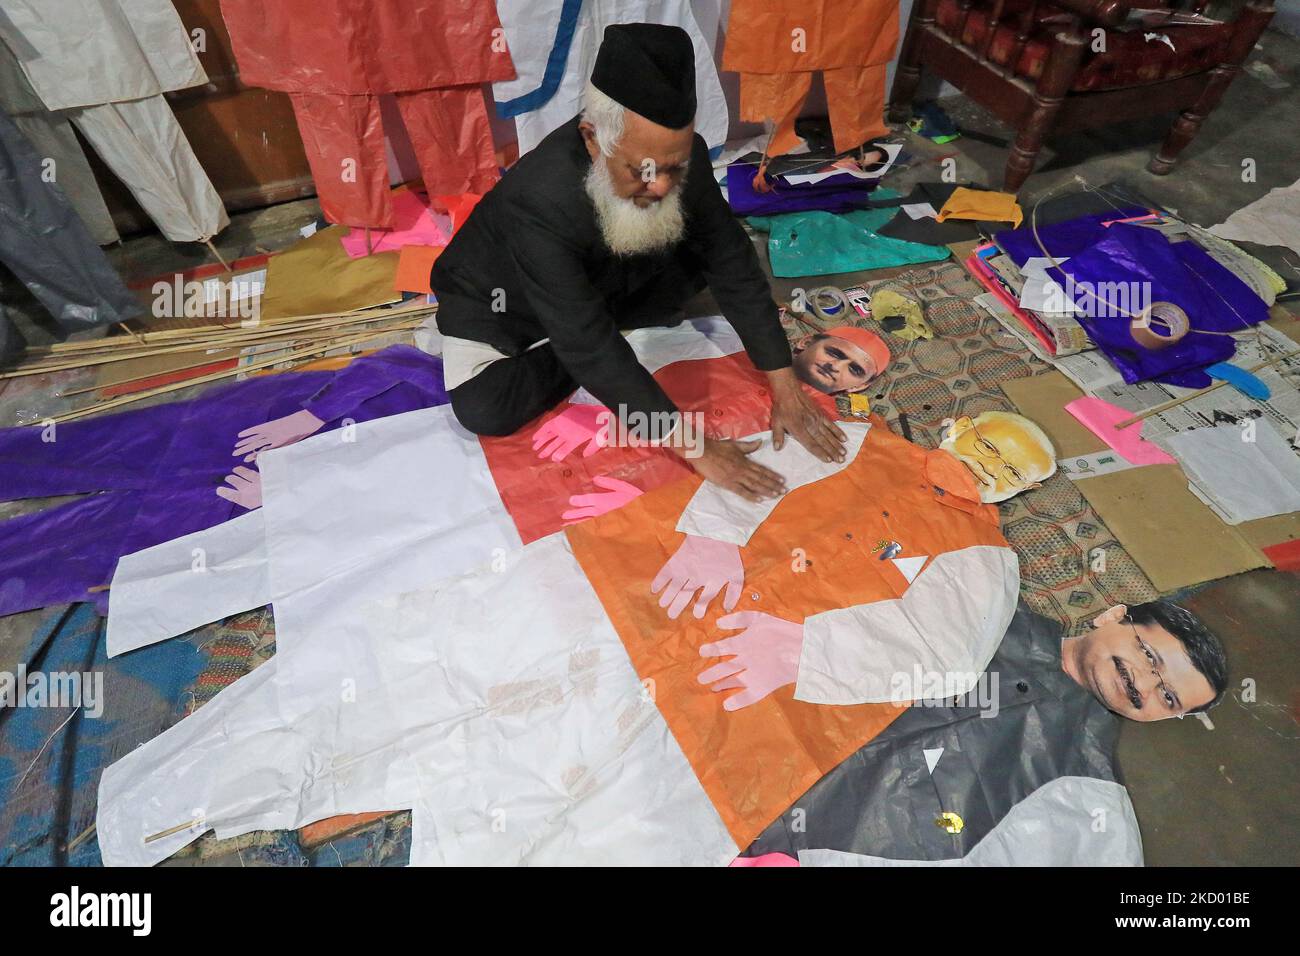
(885, 304)
(983, 205)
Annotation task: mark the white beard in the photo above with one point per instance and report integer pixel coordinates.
(627, 228)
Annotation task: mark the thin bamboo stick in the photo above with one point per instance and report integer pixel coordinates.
(1175, 402)
(217, 376)
(231, 341)
(251, 333)
(401, 327)
(149, 337)
(213, 249)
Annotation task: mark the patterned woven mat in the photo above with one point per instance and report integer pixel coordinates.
(1071, 567)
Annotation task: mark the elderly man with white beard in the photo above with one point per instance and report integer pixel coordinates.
(612, 223)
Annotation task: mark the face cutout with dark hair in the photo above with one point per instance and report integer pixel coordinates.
(832, 365)
(1154, 663)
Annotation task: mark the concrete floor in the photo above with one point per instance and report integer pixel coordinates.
(1216, 792)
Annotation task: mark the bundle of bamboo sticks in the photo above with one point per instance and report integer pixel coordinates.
(303, 337)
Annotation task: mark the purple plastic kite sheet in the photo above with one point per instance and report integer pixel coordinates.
(839, 193)
(152, 473)
(1062, 239)
(1128, 266)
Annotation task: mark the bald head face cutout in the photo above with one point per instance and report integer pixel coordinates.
(1150, 662)
(1006, 453)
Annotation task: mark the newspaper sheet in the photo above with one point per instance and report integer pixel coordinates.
(1224, 405)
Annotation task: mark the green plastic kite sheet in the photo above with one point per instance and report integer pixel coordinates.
(814, 243)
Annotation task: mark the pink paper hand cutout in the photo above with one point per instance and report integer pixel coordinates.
(767, 859)
(704, 565)
(764, 656)
(617, 494)
(574, 427)
(245, 488)
(276, 434)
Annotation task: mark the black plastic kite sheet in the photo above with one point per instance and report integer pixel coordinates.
(1025, 725)
(47, 246)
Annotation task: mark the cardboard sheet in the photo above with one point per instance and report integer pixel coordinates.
(1170, 533)
(315, 275)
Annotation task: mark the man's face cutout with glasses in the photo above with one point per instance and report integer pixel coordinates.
(1006, 453)
(1139, 671)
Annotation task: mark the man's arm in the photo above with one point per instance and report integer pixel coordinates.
(740, 287)
(732, 269)
(933, 642)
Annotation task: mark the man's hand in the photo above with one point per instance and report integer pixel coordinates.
(725, 463)
(797, 415)
(763, 657)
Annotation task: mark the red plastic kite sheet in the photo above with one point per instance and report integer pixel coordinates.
(777, 45)
(730, 394)
(335, 57)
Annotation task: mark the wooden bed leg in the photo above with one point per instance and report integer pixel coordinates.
(1053, 85)
(1250, 24)
(908, 76)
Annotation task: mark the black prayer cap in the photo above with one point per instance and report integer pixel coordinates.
(648, 68)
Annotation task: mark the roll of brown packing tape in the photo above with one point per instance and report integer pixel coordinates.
(1165, 316)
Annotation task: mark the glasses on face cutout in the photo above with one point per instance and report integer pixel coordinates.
(1169, 697)
(990, 450)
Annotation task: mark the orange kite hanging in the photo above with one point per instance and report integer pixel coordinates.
(777, 45)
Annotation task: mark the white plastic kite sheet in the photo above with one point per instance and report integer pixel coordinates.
(109, 62)
(78, 53)
(154, 597)
(553, 44)
(145, 147)
(657, 346)
(950, 621)
(724, 516)
(424, 661)
(1072, 821)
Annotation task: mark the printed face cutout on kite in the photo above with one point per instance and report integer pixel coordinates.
(1137, 670)
(1006, 453)
(841, 360)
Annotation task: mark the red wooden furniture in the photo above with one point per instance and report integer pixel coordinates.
(1044, 67)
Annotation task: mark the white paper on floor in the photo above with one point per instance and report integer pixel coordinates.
(724, 516)
(1273, 220)
(1241, 479)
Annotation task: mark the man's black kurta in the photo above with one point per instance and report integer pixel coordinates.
(530, 264)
